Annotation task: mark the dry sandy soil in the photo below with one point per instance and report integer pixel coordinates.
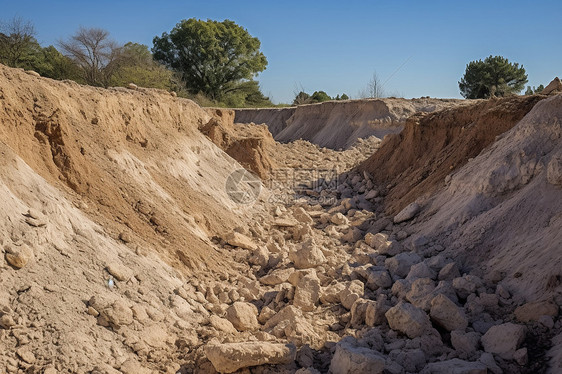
(133, 240)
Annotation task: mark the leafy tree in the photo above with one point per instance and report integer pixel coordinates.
(95, 53)
(212, 57)
(495, 76)
(319, 96)
(247, 94)
(344, 97)
(50, 63)
(137, 66)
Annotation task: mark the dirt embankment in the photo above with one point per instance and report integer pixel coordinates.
(275, 118)
(502, 210)
(247, 144)
(338, 124)
(416, 162)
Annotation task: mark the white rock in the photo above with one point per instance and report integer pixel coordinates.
(407, 213)
(243, 316)
(382, 244)
(408, 319)
(504, 339)
(339, 219)
(356, 360)
(308, 256)
(277, 276)
(222, 324)
(230, 357)
(237, 239)
(307, 292)
(446, 314)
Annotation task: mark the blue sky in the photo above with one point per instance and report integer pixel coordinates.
(336, 46)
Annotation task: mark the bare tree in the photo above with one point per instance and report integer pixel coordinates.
(374, 88)
(95, 53)
(17, 38)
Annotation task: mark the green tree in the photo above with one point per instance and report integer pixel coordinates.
(495, 76)
(137, 66)
(320, 96)
(212, 57)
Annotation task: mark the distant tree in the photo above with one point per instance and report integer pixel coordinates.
(319, 96)
(95, 53)
(248, 94)
(344, 97)
(212, 57)
(17, 43)
(137, 66)
(301, 98)
(534, 90)
(374, 89)
(495, 76)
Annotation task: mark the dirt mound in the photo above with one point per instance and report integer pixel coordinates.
(416, 162)
(338, 124)
(275, 118)
(247, 144)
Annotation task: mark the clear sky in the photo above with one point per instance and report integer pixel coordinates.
(419, 48)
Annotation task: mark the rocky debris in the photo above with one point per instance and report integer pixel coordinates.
(535, 310)
(466, 285)
(243, 316)
(307, 256)
(408, 319)
(466, 344)
(381, 243)
(230, 357)
(277, 276)
(354, 360)
(504, 339)
(399, 265)
(237, 239)
(19, 255)
(449, 272)
(407, 213)
(339, 219)
(455, 366)
(446, 314)
(222, 324)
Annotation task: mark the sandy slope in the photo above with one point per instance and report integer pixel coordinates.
(505, 205)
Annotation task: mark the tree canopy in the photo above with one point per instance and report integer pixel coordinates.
(213, 58)
(495, 76)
